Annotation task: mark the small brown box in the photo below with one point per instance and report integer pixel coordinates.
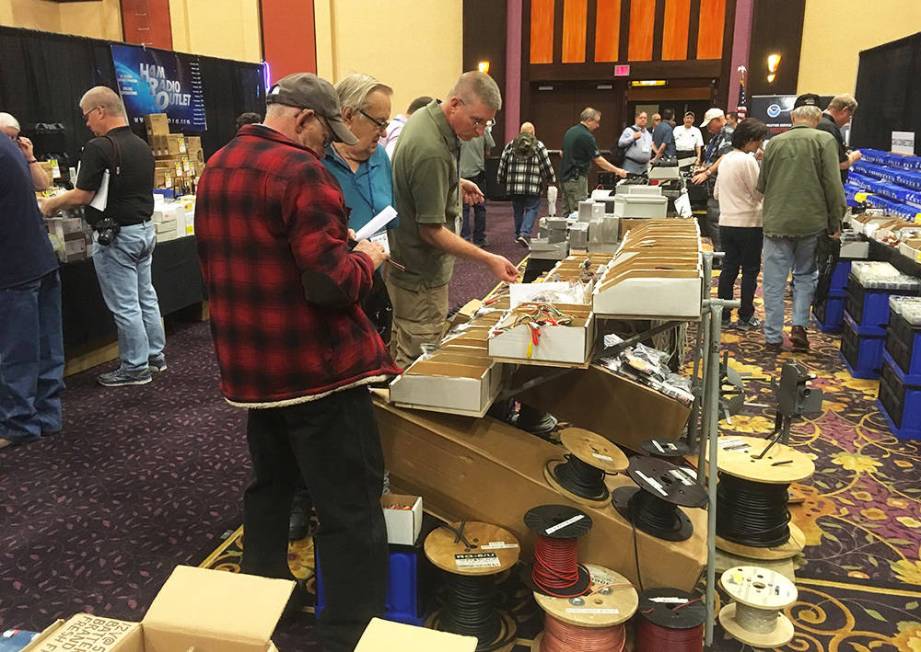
(157, 124)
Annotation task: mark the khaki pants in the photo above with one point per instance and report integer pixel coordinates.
(419, 317)
(574, 191)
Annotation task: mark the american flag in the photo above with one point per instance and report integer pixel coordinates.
(743, 97)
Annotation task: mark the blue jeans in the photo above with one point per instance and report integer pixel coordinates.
(525, 209)
(123, 270)
(781, 255)
(31, 359)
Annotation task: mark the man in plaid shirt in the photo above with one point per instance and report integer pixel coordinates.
(524, 168)
(295, 348)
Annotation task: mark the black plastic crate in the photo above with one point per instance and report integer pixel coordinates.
(903, 342)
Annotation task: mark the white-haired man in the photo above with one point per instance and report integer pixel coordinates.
(803, 197)
(426, 187)
(9, 125)
(120, 164)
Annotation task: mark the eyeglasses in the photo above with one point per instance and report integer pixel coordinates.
(86, 115)
(479, 122)
(380, 124)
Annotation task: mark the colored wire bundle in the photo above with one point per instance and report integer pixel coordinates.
(581, 479)
(562, 637)
(556, 567)
(649, 637)
(752, 513)
(470, 609)
(652, 514)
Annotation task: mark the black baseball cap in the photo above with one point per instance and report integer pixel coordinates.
(808, 99)
(304, 90)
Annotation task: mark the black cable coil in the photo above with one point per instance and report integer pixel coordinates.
(652, 514)
(581, 479)
(752, 513)
(470, 610)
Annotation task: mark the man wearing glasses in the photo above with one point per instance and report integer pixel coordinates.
(839, 112)
(119, 167)
(428, 190)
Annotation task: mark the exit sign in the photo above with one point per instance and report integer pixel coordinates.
(622, 70)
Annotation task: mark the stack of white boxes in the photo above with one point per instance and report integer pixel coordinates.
(166, 220)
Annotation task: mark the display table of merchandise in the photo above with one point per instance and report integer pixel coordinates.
(88, 324)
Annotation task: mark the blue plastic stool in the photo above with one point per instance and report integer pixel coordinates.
(404, 598)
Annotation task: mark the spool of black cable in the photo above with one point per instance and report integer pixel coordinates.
(472, 555)
(653, 505)
(752, 517)
(580, 475)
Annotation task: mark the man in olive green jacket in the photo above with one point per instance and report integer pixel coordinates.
(803, 198)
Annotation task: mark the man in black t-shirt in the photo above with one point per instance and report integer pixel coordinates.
(580, 150)
(115, 185)
(839, 112)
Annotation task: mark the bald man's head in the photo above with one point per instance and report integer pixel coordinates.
(527, 128)
(104, 98)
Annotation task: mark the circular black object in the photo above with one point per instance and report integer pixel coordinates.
(653, 516)
(548, 517)
(752, 513)
(685, 612)
(580, 478)
(667, 482)
(665, 449)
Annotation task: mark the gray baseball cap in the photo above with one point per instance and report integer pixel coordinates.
(304, 90)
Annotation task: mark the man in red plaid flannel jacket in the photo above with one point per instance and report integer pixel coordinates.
(295, 348)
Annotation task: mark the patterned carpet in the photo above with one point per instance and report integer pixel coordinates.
(145, 478)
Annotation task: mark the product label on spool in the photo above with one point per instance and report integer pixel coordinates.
(477, 560)
(733, 443)
(652, 483)
(592, 610)
(498, 545)
(670, 600)
(605, 458)
(682, 476)
(566, 523)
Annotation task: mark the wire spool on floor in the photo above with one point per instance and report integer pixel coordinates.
(665, 449)
(591, 623)
(669, 620)
(653, 505)
(755, 617)
(753, 518)
(472, 554)
(580, 477)
(556, 571)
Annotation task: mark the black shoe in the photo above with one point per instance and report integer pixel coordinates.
(523, 241)
(536, 422)
(157, 364)
(120, 377)
(483, 244)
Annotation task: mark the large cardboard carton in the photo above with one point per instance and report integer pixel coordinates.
(623, 410)
(386, 636)
(487, 470)
(197, 609)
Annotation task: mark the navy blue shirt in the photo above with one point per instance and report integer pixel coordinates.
(25, 251)
(664, 133)
(368, 190)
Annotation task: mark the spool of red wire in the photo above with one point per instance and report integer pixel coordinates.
(669, 619)
(562, 637)
(556, 571)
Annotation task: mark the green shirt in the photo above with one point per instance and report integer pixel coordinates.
(579, 148)
(425, 189)
(801, 184)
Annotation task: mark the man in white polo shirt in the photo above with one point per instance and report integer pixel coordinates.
(688, 139)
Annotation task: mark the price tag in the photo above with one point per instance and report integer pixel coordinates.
(605, 458)
(732, 444)
(55, 169)
(498, 545)
(652, 483)
(477, 560)
(667, 600)
(566, 523)
(681, 474)
(592, 610)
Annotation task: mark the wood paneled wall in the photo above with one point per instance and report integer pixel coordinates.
(608, 31)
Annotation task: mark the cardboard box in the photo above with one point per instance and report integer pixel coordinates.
(624, 411)
(197, 609)
(403, 515)
(166, 224)
(487, 470)
(156, 124)
(567, 345)
(387, 636)
(912, 249)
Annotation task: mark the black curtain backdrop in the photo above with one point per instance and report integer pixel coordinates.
(889, 94)
(43, 76)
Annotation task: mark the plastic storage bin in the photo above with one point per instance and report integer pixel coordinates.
(903, 343)
(404, 596)
(868, 307)
(830, 314)
(862, 352)
(899, 402)
(839, 277)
